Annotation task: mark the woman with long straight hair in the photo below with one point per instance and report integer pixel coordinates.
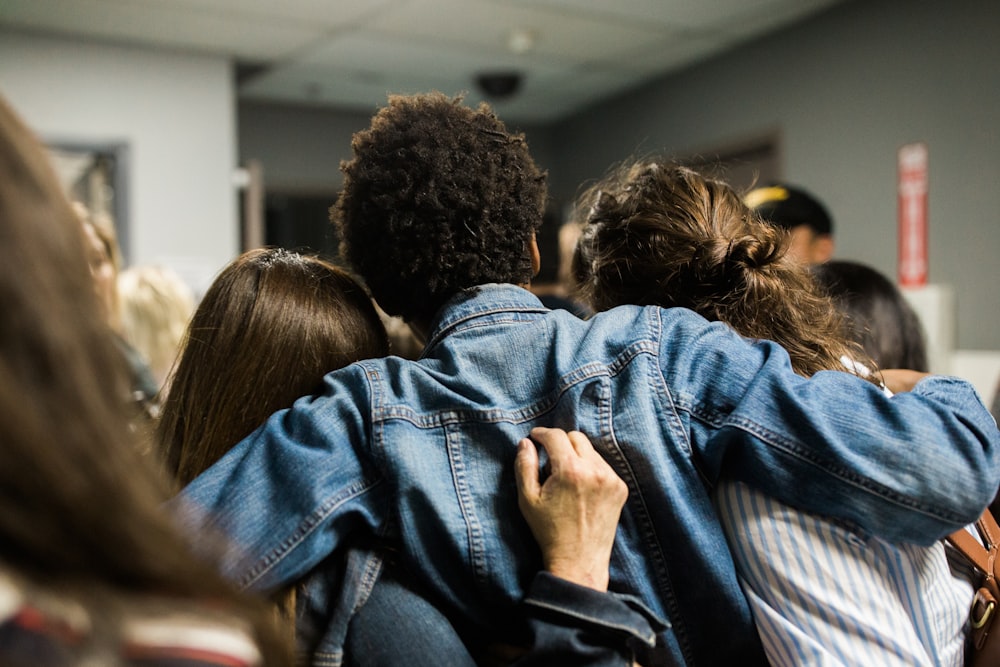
(271, 325)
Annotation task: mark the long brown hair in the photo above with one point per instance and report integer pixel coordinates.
(268, 329)
(665, 235)
(80, 510)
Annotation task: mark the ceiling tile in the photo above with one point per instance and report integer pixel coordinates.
(164, 25)
(319, 12)
(487, 25)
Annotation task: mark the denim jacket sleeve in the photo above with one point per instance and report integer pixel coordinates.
(576, 626)
(258, 499)
(912, 467)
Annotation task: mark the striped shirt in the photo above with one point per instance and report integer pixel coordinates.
(824, 594)
(41, 627)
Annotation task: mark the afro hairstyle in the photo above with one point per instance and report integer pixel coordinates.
(438, 198)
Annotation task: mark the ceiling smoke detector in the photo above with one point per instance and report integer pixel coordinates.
(499, 85)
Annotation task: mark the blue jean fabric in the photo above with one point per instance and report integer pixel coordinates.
(568, 625)
(421, 455)
(398, 626)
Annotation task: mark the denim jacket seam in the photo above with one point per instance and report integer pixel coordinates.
(643, 517)
(473, 526)
(304, 530)
(492, 415)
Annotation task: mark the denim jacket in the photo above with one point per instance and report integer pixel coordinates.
(420, 455)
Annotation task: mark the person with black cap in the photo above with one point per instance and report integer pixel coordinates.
(804, 216)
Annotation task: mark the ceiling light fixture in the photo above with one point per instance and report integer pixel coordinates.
(521, 41)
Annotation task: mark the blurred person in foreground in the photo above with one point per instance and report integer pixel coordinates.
(92, 570)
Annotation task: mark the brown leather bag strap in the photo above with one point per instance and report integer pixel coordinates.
(984, 635)
(990, 533)
(984, 558)
(989, 529)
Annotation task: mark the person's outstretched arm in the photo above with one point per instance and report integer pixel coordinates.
(912, 467)
(573, 514)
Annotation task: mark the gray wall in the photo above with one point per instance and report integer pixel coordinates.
(843, 91)
(301, 148)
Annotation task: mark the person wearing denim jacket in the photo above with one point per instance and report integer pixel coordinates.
(438, 215)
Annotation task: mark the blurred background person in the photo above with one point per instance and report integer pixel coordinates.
(878, 316)
(104, 258)
(795, 210)
(553, 285)
(156, 307)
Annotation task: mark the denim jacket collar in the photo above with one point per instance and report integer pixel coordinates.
(477, 302)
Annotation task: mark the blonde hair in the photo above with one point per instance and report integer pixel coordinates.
(156, 307)
(667, 236)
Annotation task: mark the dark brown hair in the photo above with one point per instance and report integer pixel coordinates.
(665, 235)
(438, 198)
(878, 316)
(80, 510)
(268, 329)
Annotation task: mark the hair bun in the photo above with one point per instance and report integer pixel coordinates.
(751, 252)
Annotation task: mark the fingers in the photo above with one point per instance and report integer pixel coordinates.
(574, 514)
(526, 470)
(555, 441)
(581, 443)
(564, 448)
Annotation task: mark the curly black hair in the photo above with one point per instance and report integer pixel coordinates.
(438, 198)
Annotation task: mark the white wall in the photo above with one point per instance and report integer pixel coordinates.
(176, 113)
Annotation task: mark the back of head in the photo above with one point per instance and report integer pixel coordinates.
(267, 330)
(665, 235)
(787, 206)
(438, 198)
(81, 512)
(61, 380)
(878, 316)
(801, 215)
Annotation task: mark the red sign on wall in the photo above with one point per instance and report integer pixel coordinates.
(912, 193)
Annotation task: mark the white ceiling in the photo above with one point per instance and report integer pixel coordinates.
(351, 53)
